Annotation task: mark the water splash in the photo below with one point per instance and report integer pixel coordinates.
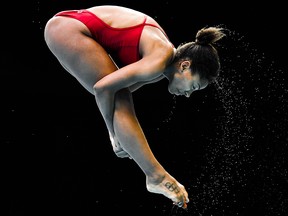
(250, 134)
(170, 115)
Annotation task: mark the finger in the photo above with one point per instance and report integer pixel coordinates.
(122, 154)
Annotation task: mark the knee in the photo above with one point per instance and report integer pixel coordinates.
(49, 29)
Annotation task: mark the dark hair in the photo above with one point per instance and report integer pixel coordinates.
(203, 55)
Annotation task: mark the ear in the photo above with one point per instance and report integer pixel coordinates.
(185, 65)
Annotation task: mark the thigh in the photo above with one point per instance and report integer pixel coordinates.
(78, 53)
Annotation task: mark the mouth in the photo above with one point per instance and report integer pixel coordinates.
(179, 93)
(176, 92)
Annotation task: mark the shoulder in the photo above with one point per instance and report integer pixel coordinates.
(154, 40)
(155, 46)
(153, 64)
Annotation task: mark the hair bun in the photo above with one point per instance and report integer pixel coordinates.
(209, 35)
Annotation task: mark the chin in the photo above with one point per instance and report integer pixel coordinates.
(173, 91)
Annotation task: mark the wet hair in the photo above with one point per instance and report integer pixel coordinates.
(202, 53)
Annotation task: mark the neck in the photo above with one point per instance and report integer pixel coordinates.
(168, 73)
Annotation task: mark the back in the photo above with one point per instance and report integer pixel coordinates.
(118, 30)
(117, 16)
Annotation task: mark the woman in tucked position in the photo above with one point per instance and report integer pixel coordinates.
(112, 51)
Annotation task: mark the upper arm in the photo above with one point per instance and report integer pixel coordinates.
(143, 71)
(140, 84)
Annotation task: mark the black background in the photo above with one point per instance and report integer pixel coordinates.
(228, 147)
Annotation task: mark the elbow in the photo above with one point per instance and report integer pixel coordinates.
(102, 91)
(99, 89)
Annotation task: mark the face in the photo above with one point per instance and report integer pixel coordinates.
(184, 82)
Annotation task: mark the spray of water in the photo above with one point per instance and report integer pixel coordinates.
(251, 124)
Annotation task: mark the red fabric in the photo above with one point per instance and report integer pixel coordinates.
(122, 43)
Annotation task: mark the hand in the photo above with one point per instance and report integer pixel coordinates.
(117, 148)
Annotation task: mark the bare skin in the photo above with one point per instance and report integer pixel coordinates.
(71, 43)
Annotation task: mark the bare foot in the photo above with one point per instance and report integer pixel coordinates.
(169, 187)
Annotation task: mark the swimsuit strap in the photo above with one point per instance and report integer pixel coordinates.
(156, 26)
